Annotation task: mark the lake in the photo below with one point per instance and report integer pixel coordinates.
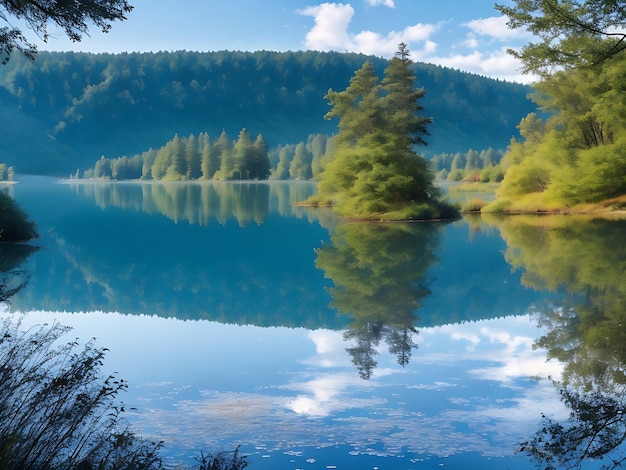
(312, 343)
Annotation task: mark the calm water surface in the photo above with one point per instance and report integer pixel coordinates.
(239, 319)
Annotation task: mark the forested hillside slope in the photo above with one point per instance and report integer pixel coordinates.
(64, 110)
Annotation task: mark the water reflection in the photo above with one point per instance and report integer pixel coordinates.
(111, 258)
(250, 352)
(379, 274)
(201, 202)
(12, 278)
(585, 332)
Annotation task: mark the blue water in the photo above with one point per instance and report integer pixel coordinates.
(240, 320)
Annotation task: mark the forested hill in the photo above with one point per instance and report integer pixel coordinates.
(64, 110)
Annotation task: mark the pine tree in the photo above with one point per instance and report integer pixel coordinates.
(300, 168)
(177, 169)
(317, 144)
(243, 157)
(375, 169)
(192, 158)
(224, 151)
(209, 162)
(148, 159)
(261, 165)
(161, 163)
(401, 103)
(473, 161)
(282, 169)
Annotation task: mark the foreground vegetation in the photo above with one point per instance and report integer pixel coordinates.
(577, 156)
(58, 411)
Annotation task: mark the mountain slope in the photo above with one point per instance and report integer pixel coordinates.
(64, 110)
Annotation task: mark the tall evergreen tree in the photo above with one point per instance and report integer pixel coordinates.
(357, 107)
(224, 151)
(148, 159)
(375, 169)
(300, 168)
(459, 162)
(192, 158)
(209, 163)
(261, 164)
(102, 168)
(401, 103)
(243, 157)
(161, 163)
(282, 168)
(317, 144)
(473, 161)
(178, 166)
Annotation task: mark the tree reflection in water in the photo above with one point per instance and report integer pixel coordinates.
(585, 257)
(12, 279)
(379, 273)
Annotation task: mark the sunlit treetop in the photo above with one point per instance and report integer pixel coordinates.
(73, 16)
(571, 32)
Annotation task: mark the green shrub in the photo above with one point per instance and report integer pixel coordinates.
(442, 175)
(492, 174)
(456, 175)
(499, 205)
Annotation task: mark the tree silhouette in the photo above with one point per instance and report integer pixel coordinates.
(73, 17)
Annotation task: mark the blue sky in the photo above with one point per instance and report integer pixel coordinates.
(467, 35)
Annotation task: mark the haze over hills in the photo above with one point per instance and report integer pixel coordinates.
(64, 110)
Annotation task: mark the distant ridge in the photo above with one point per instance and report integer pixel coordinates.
(66, 109)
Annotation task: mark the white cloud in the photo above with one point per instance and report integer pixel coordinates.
(510, 357)
(471, 41)
(329, 349)
(330, 32)
(495, 27)
(497, 63)
(472, 338)
(329, 394)
(418, 32)
(331, 24)
(387, 3)
(369, 42)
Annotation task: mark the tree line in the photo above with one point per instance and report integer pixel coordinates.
(200, 158)
(473, 165)
(190, 158)
(204, 158)
(7, 173)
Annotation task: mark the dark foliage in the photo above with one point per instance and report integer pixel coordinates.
(73, 17)
(15, 225)
(56, 408)
(595, 430)
(58, 412)
(222, 461)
